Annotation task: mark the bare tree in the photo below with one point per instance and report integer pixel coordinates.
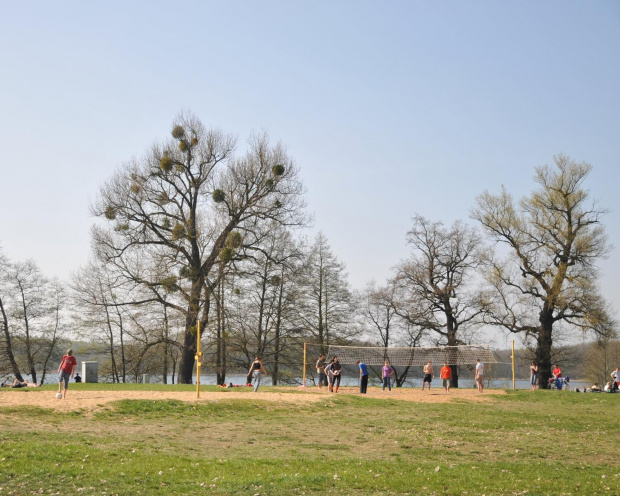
(325, 303)
(33, 313)
(437, 290)
(379, 310)
(601, 358)
(548, 281)
(172, 212)
(6, 341)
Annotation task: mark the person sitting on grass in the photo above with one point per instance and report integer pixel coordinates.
(595, 388)
(22, 384)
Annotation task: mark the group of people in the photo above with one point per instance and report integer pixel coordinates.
(445, 374)
(329, 375)
(66, 371)
(613, 386)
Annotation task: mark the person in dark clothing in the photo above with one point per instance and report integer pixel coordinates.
(363, 377)
(336, 371)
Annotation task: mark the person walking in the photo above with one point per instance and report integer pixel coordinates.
(533, 375)
(386, 374)
(320, 370)
(479, 375)
(446, 376)
(329, 373)
(66, 369)
(256, 368)
(429, 373)
(363, 377)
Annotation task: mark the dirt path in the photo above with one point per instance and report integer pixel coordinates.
(92, 400)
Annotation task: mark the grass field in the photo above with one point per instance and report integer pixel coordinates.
(518, 443)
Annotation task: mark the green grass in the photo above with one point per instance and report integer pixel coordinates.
(520, 443)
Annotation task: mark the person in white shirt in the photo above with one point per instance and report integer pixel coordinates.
(615, 377)
(479, 375)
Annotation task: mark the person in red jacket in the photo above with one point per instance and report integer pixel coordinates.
(66, 369)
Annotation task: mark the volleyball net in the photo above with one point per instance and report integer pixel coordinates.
(411, 357)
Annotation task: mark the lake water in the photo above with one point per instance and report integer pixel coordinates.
(238, 379)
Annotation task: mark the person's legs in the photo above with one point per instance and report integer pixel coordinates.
(480, 383)
(364, 385)
(337, 382)
(65, 376)
(256, 380)
(384, 383)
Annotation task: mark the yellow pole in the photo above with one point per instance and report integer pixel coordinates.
(198, 358)
(304, 373)
(513, 365)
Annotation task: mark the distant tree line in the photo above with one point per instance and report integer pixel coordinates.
(198, 231)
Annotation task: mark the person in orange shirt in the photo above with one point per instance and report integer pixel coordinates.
(446, 375)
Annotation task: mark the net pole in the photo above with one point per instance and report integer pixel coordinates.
(304, 374)
(512, 358)
(198, 359)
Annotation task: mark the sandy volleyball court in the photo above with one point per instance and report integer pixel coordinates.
(93, 400)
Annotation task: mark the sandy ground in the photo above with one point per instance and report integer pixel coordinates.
(94, 400)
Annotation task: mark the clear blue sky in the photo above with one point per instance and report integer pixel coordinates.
(389, 108)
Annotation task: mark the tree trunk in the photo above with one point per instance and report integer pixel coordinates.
(166, 346)
(8, 352)
(543, 349)
(400, 379)
(276, 357)
(452, 341)
(220, 373)
(188, 352)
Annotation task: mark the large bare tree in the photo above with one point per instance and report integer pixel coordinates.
(437, 284)
(171, 215)
(548, 280)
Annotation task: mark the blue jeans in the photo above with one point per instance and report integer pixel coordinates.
(257, 375)
(387, 382)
